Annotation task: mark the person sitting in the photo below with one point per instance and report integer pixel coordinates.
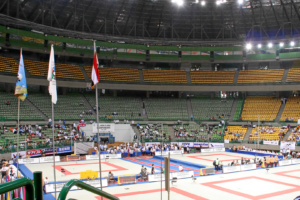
(8, 103)
(111, 177)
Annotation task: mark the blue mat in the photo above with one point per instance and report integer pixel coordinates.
(183, 163)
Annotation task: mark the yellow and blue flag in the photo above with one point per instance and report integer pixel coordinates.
(21, 85)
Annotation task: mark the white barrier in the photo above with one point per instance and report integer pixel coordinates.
(49, 159)
(59, 186)
(29, 160)
(111, 156)
(229, 169)
(295, 161)
(166, 153)
(207, 150)
(285, 162)
(178, 175)
(219, 149)
(248, 167)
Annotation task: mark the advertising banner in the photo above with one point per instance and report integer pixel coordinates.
(184, 174)
(49, 159)
(248, 167)
(285, 162)
(219, 149)
(111, 156)
(203, 144)
(295, 161)
(151, 144)
(216, 145)
(226, 141)
(156, 177)
(229, 169)
(207, 171)
(29, 160)
(59, 186)
(166, 153)
(64, 149)
(207, 150)
(271, 142)
(33, 153)
(83, 125)
(49, 151)
(22, 154)
(104, 127)
(287, 145)
(186, 144)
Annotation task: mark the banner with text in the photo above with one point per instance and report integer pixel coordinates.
(271, 142)
(64, 149)
(104, 127)
(216, 145)
(33, 153)
(186, 144)
(166, 153)
(22, 154)
(203, 144)
(287, 145)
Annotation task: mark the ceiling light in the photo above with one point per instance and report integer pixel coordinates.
(259, 46)
(202, 3)
(240, 1)
(292, 43)
(218, 2)
(248, 46)
(281, 44)
(270, 45)
(196, 1)
(180, 2)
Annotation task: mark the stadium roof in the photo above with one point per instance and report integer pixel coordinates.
(158, 20)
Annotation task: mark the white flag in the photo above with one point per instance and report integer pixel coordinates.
(52, 77)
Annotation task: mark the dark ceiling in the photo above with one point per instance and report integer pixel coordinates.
(162, 19)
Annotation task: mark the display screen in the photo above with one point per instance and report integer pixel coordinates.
(126, 179)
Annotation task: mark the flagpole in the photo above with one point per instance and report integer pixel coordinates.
(98, 137)
(53, 148)
(18, 132)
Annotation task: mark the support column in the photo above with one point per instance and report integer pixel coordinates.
(179, 94)
(115, 93)
(277, 94)
(212, 95)
(147, 94)
(8, 87)
(64, 90)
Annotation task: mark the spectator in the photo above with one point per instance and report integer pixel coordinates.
(152, 169)
(111, 177)
(180, 168)
(8, 103)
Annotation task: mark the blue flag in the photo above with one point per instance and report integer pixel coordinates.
(21, 85)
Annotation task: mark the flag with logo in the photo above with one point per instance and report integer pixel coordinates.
(21, 85)
(52, 77)
(95, 72)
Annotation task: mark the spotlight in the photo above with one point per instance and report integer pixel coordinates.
(240, 1)
(202, 3)
(218, 2)
(270, 45)
(292, 43)
(248, 46)
(259, 46)
(196, 1)
(281, 44)
(180, 2)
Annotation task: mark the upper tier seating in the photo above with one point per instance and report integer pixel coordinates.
(293, 75)
(267, 107)
(166, 109)
(68, 107)
(206, 109)
(231, 132)
(8, 65)
(126, 107)
(291, 110)
(164, 76)
(39, 68)
(115, 74)
(10, 112)
(238, 110)
(261, 76)
(268, 133)
(212, 76)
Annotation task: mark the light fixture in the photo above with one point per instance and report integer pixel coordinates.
(292, 43)
(180, 2)
(196, 1)
(270, 45)
(240, 1)
(218, 2)
(202, 3)
(281, 44)
(259, 46)
(248, 46)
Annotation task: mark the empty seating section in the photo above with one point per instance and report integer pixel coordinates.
(261, 76)
(164, 76)
(166, 109)
(208, 109)
(115, 74)
(231, 132)
(68, 107)
(291, 110)
(39, 68)
(10, 112)
(212, 76)
(267, 107)
(267, 133)
(238, 110)
(126, 107)
(8, 65)
(293, 75)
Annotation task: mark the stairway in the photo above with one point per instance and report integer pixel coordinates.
(89, 105)
(36, 109)
(143, 111)
(286, 71)
(189, 107)
(136, 131)
(171, 132)
(188, 77)
(287, 134)
(141, 75)
(279, 113)
(86, 77)
(247, 135)
(233, 108)
(236, 76)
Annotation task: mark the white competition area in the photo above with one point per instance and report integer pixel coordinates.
(274, 184)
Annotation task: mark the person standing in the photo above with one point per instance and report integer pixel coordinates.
(217, 165)
(152, 169)
(180, 168)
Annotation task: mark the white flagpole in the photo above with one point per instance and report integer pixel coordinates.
(97, 111)
(18, 132)
(53, 146)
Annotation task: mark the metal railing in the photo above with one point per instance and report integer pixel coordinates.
(65, 190)
(10, 186)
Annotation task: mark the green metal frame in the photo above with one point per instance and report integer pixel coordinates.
(29, 187)
(65, 190)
